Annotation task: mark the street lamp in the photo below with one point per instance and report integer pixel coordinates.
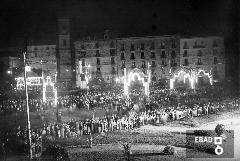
(26, 69)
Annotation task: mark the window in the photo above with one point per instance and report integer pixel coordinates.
(111, 45)
(173, 54)
(96, 45)
(82, 77)
(185, 62)
(185, 54)
(133, 65)
(162, 45)
(153, 64)
(164, 63)
(199, 62)
(215, 60)
(195, 44)
(142, 46)
(185, 46)
(82, 47)
(122, 47)
(112, 52)
(112, 60)
(173, 63)
(215, 73)
(98, 61)
(152, 71)
(132, 47)
(143, 64)
(199, 53)
(215, 52)
(163, 54)
(173, 44)
(142, 55)
(122, 56)
(132, 56)
(83, 62)
(64, 42)
(123, 64)
(215, 43)
(97, 53)
(163, 71)
(113, 70)
(153, 55)
(152, 47)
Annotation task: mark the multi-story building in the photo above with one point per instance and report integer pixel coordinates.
(95, 58)
(42, 58)
(109, 57)
(205, 53)
(161, 53)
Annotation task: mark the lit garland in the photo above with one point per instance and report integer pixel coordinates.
(193, 77)
(130, 77)
(36, 81)
(31, 81)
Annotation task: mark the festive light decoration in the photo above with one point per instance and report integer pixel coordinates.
(31, 81)
(36, 81)
(130, 77)
(192, 75)
(208, 74)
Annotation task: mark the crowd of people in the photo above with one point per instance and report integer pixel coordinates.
(162, 106)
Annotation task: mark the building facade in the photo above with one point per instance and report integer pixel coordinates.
(160, 53)
(107, 58)
(42, 58)
(95, 59)
(205, 53)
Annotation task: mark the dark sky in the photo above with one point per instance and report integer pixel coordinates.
(36, 19)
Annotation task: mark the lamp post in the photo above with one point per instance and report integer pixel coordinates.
(28, 118)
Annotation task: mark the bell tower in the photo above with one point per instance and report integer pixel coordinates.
(64, 55)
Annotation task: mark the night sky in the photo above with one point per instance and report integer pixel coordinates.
(36, 20)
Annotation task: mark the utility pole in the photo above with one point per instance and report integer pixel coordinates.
(28, 118)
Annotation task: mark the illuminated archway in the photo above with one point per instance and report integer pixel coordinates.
(130, 77)
(192, 75)
(207, 74)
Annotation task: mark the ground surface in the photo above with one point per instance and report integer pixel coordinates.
(171, 133)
